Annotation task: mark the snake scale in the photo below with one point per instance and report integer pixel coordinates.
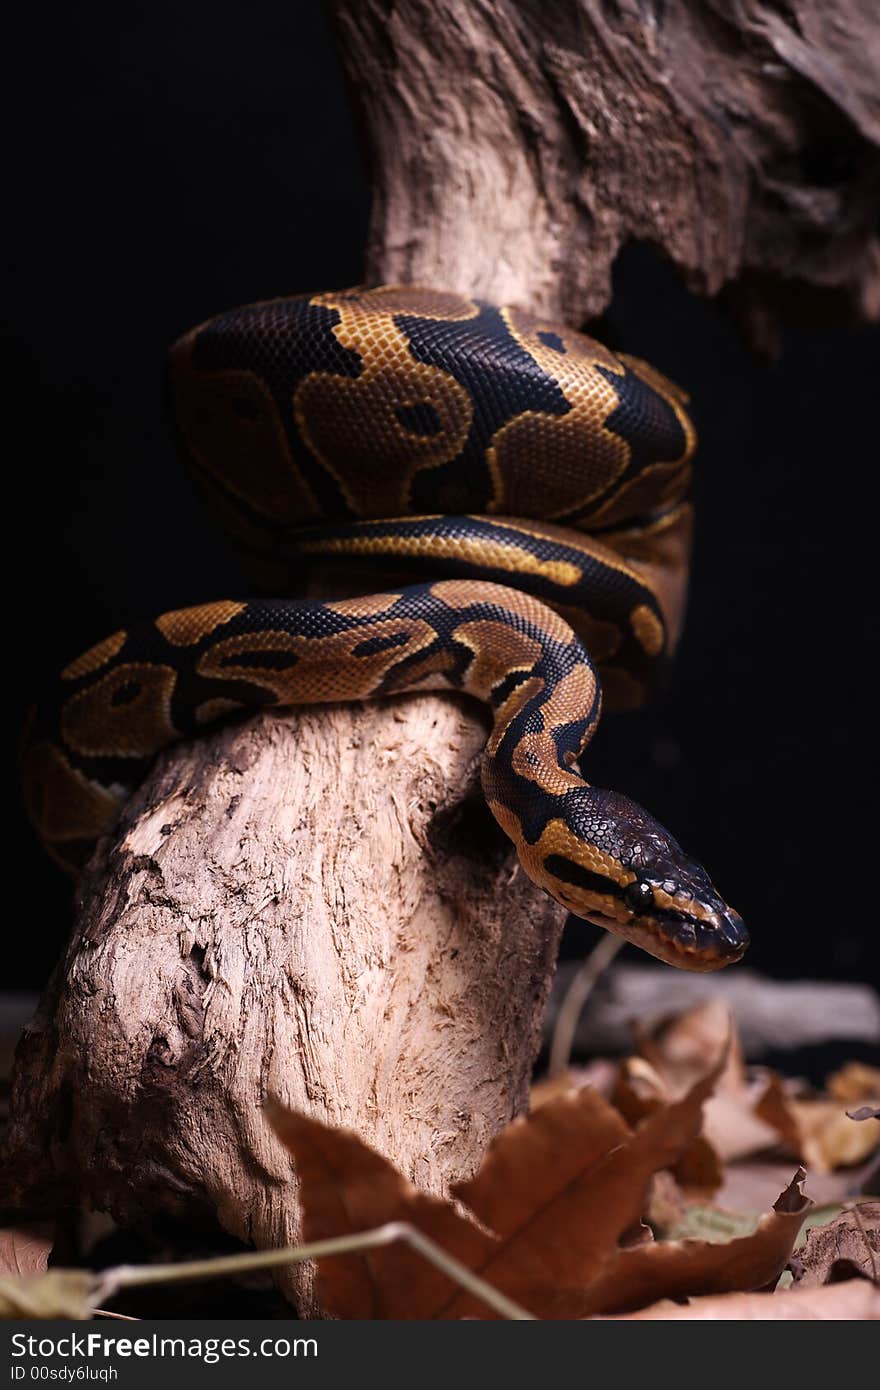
(525, 488)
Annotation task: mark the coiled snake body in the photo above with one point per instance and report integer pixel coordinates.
(495, 442)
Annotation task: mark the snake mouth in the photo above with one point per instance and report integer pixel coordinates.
(685, 942)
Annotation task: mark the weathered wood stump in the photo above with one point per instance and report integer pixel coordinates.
(315, 905)
(518, 145)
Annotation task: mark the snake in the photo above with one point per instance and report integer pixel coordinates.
(510, 499)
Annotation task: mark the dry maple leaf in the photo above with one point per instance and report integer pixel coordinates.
(346, 1187)
(847, 1246)
(678, 1268)
(681, 1047)
(744, 1117)
(558, 1192)
(561, 1188)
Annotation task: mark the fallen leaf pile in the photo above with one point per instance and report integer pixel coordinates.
(750, 1113)
(564, 1214)
(612, 1198)
(553, 1219)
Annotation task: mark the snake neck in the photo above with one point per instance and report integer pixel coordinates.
(540, 682)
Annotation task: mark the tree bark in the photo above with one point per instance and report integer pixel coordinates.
(314, 905)
(517, 145)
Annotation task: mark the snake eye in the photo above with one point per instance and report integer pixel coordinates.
(639, 897)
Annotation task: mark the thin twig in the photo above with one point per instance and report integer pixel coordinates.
(575, 998)
(136, 1276)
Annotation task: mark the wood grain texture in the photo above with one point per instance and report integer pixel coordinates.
(317, 906)
(518, 145)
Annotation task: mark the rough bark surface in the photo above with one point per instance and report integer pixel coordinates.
(519, 144)
(316, 906)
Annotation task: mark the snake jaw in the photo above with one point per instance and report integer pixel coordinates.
(700, 937)
(680, 942)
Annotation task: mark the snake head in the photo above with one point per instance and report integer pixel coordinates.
(618, 867)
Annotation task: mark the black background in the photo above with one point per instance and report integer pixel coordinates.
(165, 166)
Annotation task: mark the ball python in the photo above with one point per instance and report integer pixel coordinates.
(525, 490)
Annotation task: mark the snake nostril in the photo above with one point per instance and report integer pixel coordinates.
(734, 932)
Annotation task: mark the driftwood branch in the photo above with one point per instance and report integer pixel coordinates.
(771, 1015)
(314, 904)
(519, 144)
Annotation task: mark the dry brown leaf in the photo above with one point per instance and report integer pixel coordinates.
(543, 1189)
(532, 1168)
(680, 1048)
(679, 1268)
(600, 1072)
(346, 1187)
(733, 1129)
(641, 1090)
(774, 1106)
(60, 1293)
(856, 1301)
(818, 1132)
(845, 1247)
(26, 1249)
(678, 1051)
(830, 1138)
(559, 1228)
(559, 1198)
(743, 1119)
(854, 1082)
(558, 1190)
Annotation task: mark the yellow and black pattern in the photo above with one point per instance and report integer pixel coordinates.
(407, 402)
(466, 447)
